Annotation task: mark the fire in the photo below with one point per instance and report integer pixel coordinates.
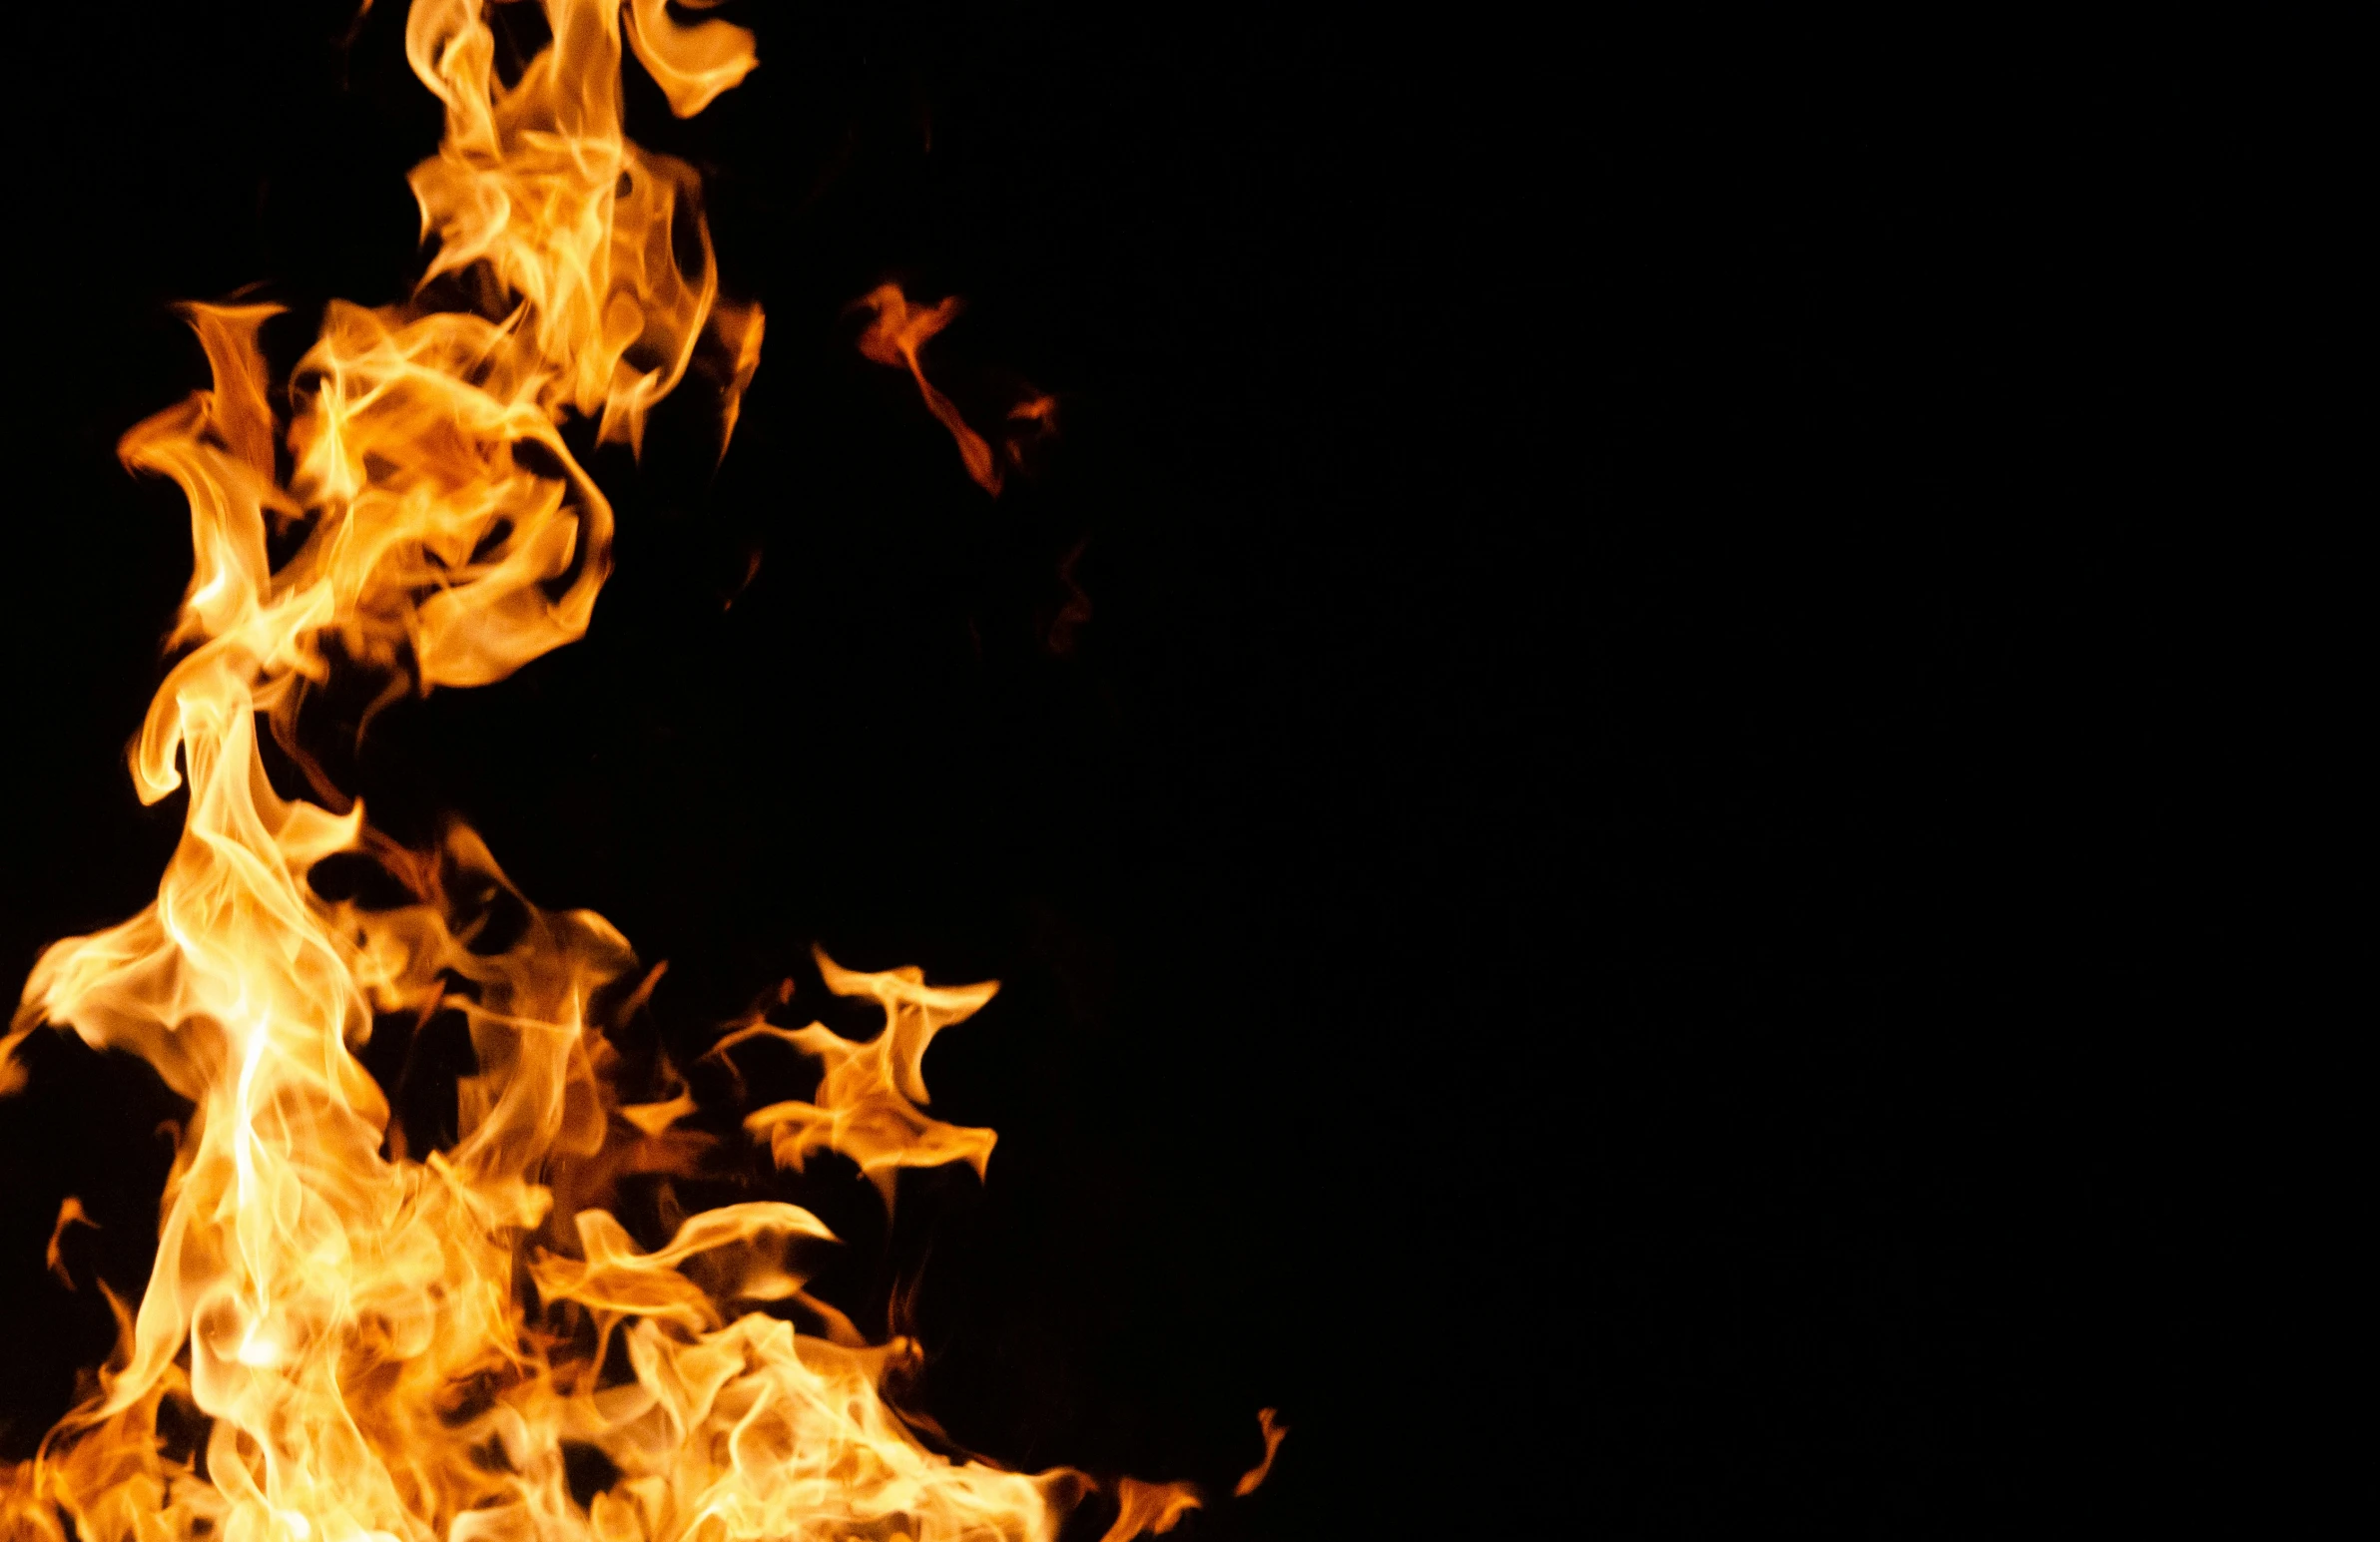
(374, 1344)
(868, 1090)
(894, 337)
(896, 333)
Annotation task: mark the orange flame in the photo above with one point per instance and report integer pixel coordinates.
(1149, 1507)
(70, 1213)
(1253, 1477)
(894, 337)
(378, 1348)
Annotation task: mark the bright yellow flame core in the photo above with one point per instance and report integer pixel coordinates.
(384, 1348)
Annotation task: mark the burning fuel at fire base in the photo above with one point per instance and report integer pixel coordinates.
(375, 1346)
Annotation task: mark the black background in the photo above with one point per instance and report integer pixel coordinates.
(1611, 908)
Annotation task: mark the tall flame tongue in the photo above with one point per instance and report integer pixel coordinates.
(378, 1348)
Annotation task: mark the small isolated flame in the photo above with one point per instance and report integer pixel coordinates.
(896, 333)
(341, 1342)
(894, 337)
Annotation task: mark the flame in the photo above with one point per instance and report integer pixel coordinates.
(1274, 1432)
(868, 1098)
(379, 1347)
(895, 334)
(894, 337)
(1149, 1507)
(70, 1213)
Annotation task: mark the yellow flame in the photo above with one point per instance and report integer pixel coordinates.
(867, 1099)
(380, 1348)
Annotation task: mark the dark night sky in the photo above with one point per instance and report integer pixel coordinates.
(1605, 909)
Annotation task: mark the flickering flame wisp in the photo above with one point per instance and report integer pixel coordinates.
(894, 337)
